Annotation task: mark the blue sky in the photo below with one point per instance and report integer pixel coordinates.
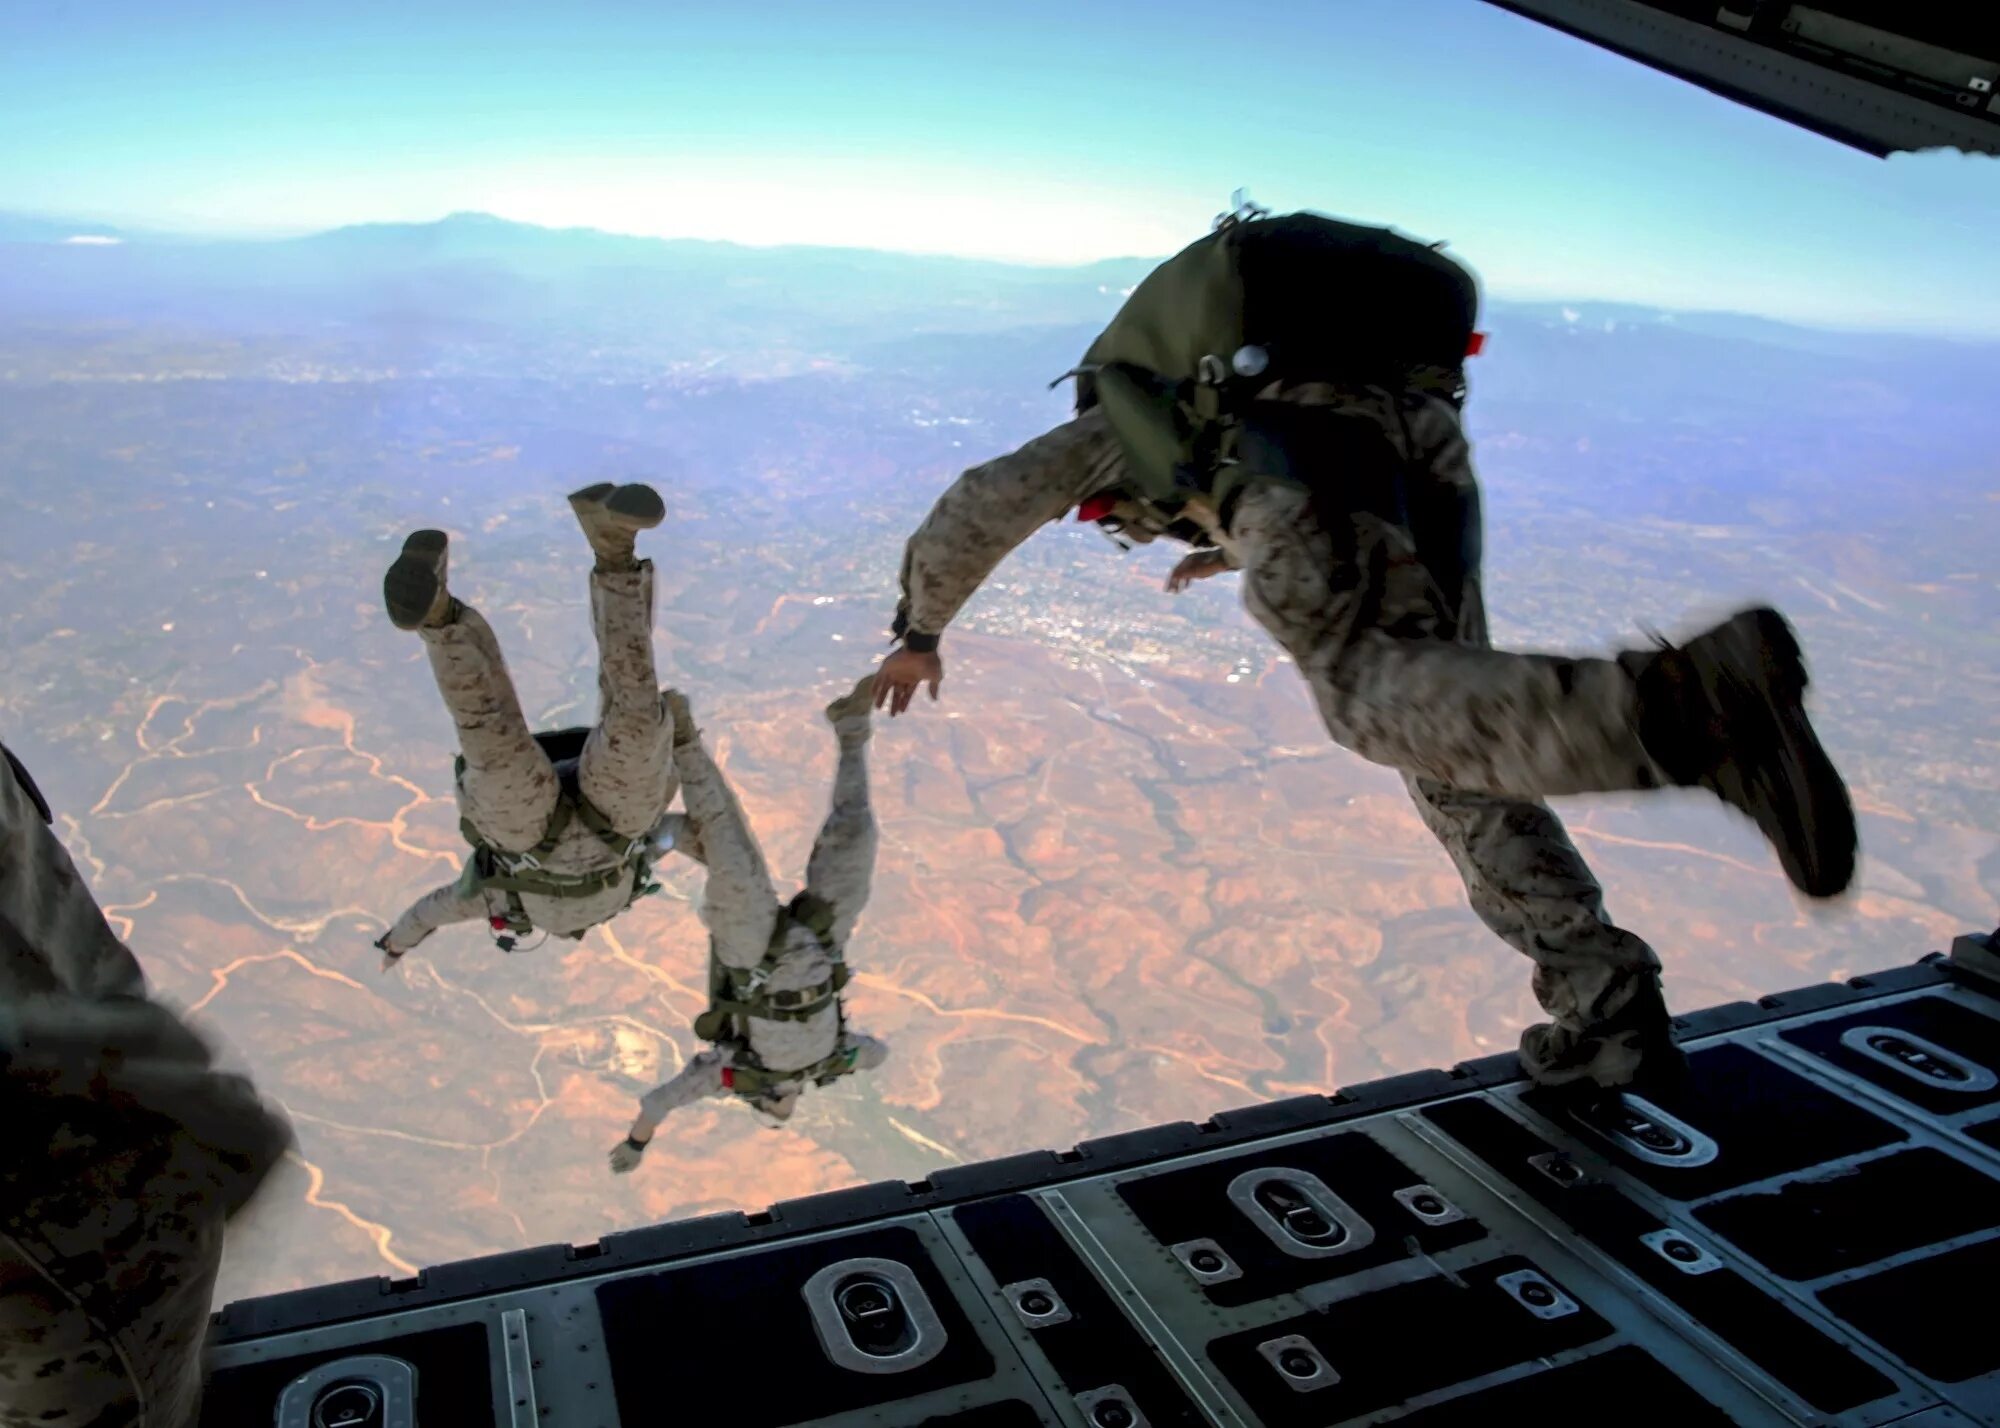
(1026, 130)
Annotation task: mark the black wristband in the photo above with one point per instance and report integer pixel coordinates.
(917, 642)
(637, 1145)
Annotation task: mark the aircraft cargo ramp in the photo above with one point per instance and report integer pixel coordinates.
(1804, 1236)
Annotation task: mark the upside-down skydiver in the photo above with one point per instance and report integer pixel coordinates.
(775, 1015)
(563, 826)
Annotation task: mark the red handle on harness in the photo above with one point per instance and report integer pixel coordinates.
(1096, 508)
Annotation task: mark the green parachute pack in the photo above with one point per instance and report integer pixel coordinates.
(1262, 299)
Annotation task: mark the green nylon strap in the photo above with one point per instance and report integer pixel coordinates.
(751, 1080)
(764, 1011)
(517, 916)
(588, 815)
(562, 886)
(568, 805)
(736, 993)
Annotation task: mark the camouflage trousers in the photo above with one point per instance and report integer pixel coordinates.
(509, 788)
(1381, 611)
(57, 1367)
(741, 905)
(626, 770)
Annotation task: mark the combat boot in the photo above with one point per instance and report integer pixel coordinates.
(1725, 712)
(682, 714)
(1631, 1050)
(612, 517)
(851, 714)
(414, 589)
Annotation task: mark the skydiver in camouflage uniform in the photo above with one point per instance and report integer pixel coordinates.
(776, 969)
(1373, 589)
(557, 847)
(122, 1155)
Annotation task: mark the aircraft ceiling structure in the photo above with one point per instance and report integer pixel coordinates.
(1883, 76)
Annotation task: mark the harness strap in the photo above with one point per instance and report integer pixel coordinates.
(764, 1011)
(753, 1080)
(737, 994)
(544, 883)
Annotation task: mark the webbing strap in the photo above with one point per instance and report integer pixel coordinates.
(764, 1011)
(544, 883)
(747, 997)
(752, 1079)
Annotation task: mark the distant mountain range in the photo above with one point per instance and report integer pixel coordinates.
(472, 252)
(472, 293)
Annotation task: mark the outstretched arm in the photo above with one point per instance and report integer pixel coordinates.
(436, 908)
(986, 513)
(702, 1076)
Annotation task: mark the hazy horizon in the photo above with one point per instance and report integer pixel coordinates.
(1039, 133)
(139, 233)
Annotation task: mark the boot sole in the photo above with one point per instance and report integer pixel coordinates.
(411, 587)
(1796, 796)
(637, 506)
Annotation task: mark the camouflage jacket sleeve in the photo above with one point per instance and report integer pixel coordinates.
(702, 1076)
(442, 905)
(993, 508)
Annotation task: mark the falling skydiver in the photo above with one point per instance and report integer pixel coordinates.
(563, 826)
(775, 969)
(1284, 395)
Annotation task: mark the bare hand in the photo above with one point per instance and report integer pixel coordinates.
(389, 958)
(1197, 566)
(624, 1159)
(898, 676)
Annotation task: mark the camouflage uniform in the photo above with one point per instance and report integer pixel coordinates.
(742, 910)
(509, 788)
(702, 1076)
(1391, 640)
(123, 1153)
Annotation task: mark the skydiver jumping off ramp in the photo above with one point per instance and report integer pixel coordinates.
(775, 969)
(562, 825)
(1284, 395)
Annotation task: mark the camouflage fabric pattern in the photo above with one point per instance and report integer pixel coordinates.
(124, 1153)
(509, 788)
(1355, 604)
(1400, 668)
(993, 508)
(702, 1076)
(742, 908)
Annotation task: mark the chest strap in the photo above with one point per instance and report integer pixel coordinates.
(736, 994)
